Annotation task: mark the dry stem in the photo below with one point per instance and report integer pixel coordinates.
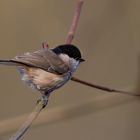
(70, 37)
(74, 24)
(102, 87)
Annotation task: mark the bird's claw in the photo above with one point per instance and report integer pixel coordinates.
(43, 100)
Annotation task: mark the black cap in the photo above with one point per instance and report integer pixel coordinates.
(71, 50)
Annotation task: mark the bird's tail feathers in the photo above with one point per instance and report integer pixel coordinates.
(9, 63)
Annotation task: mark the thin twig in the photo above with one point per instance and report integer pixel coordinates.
(26, 125)
(70, 37)
(102, 87)
(74, 24)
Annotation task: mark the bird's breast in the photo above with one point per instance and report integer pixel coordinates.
(43, 80)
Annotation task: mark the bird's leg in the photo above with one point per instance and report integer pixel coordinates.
(44, 100)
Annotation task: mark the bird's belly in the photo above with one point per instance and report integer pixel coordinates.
(43, 80)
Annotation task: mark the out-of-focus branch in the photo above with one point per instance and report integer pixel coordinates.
(64, 113)
(74, 24)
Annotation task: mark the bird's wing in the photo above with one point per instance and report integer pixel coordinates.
(45, 59)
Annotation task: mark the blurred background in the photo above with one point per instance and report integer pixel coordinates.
(108, 35)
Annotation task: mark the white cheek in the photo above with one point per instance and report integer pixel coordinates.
(65, 58)
(72, 63)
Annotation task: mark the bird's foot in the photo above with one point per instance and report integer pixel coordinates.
(43, 100)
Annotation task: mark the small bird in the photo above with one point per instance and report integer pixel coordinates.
(47, 69)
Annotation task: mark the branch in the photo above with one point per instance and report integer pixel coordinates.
(45, 45)
(63, 113)
(102, 87)
(74, 24)
(70, 37)
(26, 125)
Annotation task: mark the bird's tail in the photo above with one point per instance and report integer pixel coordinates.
(9, 62)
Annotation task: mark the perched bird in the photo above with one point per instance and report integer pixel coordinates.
(47, 69)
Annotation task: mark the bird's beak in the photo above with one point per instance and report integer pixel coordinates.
(81, 60)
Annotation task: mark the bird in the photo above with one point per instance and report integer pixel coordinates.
(47, 69)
